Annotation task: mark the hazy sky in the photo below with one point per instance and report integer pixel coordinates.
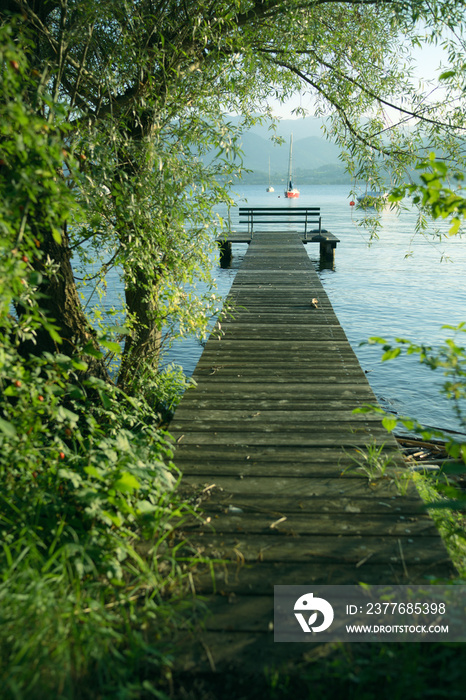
(427, 60)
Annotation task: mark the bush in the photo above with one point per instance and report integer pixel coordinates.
(86, 474)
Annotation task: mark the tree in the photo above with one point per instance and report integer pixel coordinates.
(147, 85)
(110, 113)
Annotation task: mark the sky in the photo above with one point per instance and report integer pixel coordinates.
(427, 58)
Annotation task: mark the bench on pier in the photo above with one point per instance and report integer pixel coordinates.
(304, 216)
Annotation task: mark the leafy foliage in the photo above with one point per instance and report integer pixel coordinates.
(86, 473)
(115, 147)
(146, 97)
(450, 358)
(434, 195)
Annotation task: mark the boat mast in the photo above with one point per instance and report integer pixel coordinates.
(290, 184)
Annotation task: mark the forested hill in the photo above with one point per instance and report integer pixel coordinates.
(315, 159)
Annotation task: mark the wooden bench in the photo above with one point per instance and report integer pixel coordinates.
(304, 216)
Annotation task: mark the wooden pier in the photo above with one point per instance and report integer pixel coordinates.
(301, 217)
(265, 439)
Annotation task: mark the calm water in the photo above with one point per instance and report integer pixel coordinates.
(375, 291)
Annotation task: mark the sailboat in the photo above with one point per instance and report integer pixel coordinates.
(290, 190)
(270, 188)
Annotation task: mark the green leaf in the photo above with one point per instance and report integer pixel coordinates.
(35, 278)
(80, 365)
(105, 400)
(57, 237)
(455, 226)
(127, 483)
(111, 345)
(89, 349)
(72, 476)
(92, 471)
(114, 519)
(367, 408)
(390, 354)
(118, 330)
(145, 507)
(7, 428)
(75, 392)
(389, 423)
(64, 414)
(447, 74)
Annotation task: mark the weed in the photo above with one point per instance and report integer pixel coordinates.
(371, 461)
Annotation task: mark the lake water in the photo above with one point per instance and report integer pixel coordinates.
(376, 291)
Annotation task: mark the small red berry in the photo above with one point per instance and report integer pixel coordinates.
(14, 65)
(25, 258)
(41, 398)
(62, 455)
(17, 383)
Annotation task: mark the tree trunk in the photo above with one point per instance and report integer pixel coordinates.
(142, 347)
(59, 301)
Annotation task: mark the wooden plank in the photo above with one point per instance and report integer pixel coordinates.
(272, 372)
(269, 379)
(347, 439)
(264, 440)
(278, 332)
(289, 454)
(277, 505)
(283, 346)
(187, 413)
(343, 549)
(294, 525)
(284, 210)
(259, 578)
(284, 393)
(229, 425)
(214, 468)
(240, 653)
(297, 488)
(312, 318)
(295, 403)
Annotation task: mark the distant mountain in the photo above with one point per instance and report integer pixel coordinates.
(301, 128)
(311, 150)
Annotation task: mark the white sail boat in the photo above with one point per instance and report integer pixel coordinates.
(270, 188)
(290, 190)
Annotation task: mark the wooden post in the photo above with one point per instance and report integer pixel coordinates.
(327, 251)
(225, 253)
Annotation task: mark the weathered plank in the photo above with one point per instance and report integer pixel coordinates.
(260, 577)
(298, 488)
(270, 447)
(296, 525)
(347, 550)
(277, 505)
(295, 418)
